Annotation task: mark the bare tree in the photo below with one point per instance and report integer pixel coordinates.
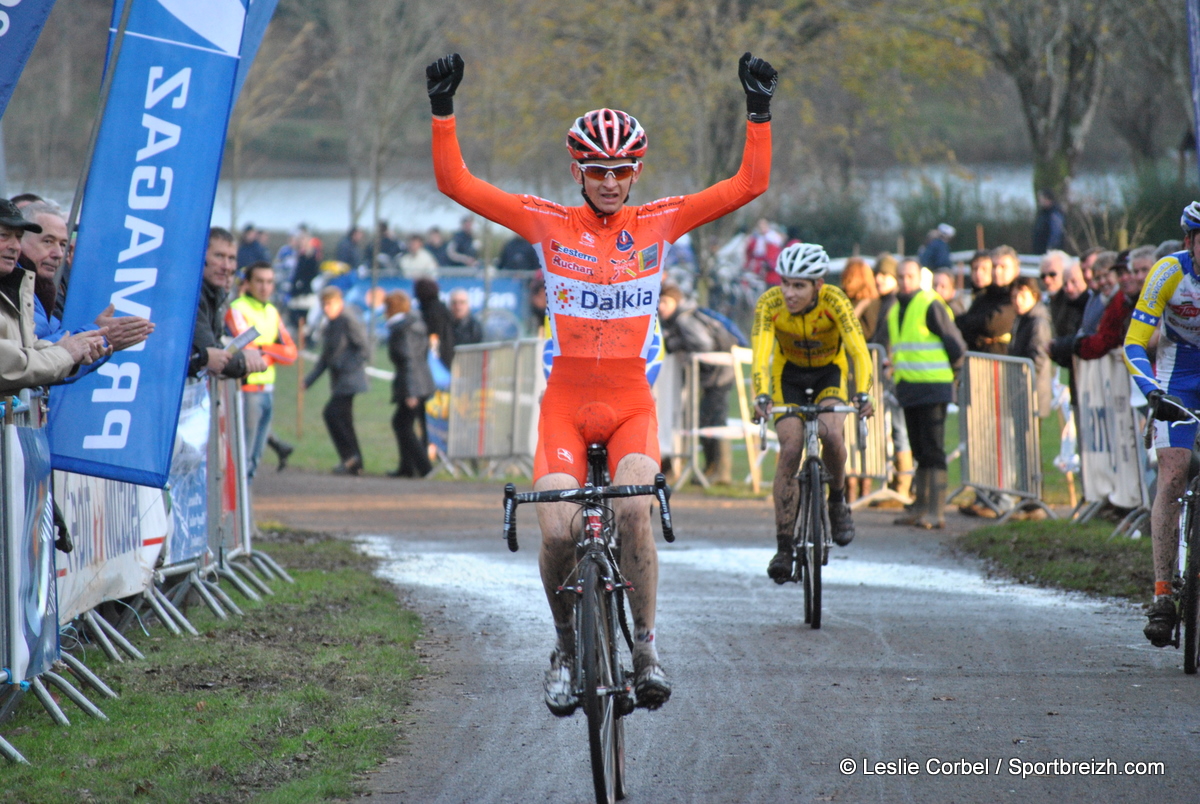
(284, 79)
(1054, 52)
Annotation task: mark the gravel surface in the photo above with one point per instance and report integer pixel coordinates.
(922, 663)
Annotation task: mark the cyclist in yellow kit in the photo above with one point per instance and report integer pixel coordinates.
(804, 331)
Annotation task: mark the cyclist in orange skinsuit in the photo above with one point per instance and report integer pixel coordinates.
(602, 264)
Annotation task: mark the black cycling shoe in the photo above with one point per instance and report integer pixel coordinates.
(780, 568)
(840, 523)
(557, 688)
(650, 683)
(1163, 617)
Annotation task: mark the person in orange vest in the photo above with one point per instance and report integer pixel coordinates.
(254, 309)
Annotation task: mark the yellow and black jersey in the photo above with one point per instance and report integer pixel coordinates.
(829, 333)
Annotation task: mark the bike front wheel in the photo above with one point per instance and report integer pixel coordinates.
(812, 544)
(1190, 610)
(605, 732)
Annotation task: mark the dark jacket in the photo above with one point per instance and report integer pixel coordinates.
(408, 348)
(210, 326)
(1031, 338)
(987, 325)
(467, 331)
(344, 353)
(684, 333)
(438, 321)
(1048, 229)
(940, 323)
(880, 335)
(1066, 314)
(518, 255)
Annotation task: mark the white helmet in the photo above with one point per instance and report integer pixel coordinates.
(802, 261)
(1190, 220)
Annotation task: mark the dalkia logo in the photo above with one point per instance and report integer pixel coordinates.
(564, 296)
(624, 241)
(616, 299)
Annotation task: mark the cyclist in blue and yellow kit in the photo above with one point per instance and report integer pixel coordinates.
(1170, 297)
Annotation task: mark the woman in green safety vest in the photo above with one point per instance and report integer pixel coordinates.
(925, 349)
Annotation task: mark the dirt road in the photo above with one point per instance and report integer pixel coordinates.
(922, 664)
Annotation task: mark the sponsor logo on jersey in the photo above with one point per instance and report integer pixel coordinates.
(626, 266)
(558, 247)
(624, 241)
(559, 262)
(565, 455)
(648, 258)
(1186, 310)
(615, 298)
(564, 296)
(587, 239)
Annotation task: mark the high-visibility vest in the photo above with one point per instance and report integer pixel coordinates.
(918, 355)
(265, 318)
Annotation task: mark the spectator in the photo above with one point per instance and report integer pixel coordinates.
(387, 243)
(250, 248)
(980, 274)
(986, 326)
(417, 261)
(21, 200)
(943, 285)
(936, 252)
(1031, 337)
(926, 349)
(762, 249)
(1167, 247)
(308, 265)
(537, 308)
(1051, 270)
(436, 244)
(1067, 306)
(1106, 282)
(408, 348)
(26, 361)
(518, 255)
(858, 282)
(350, 248)
(344, 353)
(208, 353)
(1048, 223)
(43, 253)
(1110, 334)
(1087, 264)
(254, 309)
(287, 258)
(467, 328)
(685, 331)
(885, 282)
(461, 250)
(438, 322)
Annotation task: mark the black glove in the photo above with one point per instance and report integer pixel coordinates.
(758, 79)
(1167, 412)
(441, 79)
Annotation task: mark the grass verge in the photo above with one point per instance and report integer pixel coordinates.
(1080, 558)
(287, 704)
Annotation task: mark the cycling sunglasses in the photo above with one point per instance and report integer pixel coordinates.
(601, 172)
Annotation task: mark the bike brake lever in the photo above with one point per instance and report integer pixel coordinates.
(663, 492)
(510, 516)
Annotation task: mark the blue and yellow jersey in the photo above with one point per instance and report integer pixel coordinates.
(1170, 297)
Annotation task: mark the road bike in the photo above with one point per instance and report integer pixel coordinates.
(1186, 583)
(812, 538)
(598, 673)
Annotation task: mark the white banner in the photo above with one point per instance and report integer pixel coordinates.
(1108, 437)
(118, 529)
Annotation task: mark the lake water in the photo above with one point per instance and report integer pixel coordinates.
(324, 204)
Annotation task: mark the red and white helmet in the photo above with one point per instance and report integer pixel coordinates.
(606, 134)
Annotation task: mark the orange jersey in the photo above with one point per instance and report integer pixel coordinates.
(603, 274)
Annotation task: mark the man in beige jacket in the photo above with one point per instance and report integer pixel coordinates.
(25, 361)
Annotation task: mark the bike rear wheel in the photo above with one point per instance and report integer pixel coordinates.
(605, 729)
(1190, 610)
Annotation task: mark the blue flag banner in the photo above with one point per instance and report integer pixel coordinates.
(1193, 34)
(20, 25)
(143, 232)
(257, 18)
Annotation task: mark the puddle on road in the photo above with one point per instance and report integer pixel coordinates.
(514, 581)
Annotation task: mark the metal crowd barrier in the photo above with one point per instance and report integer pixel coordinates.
(494, 394)
(873, 460)
(998, 427)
